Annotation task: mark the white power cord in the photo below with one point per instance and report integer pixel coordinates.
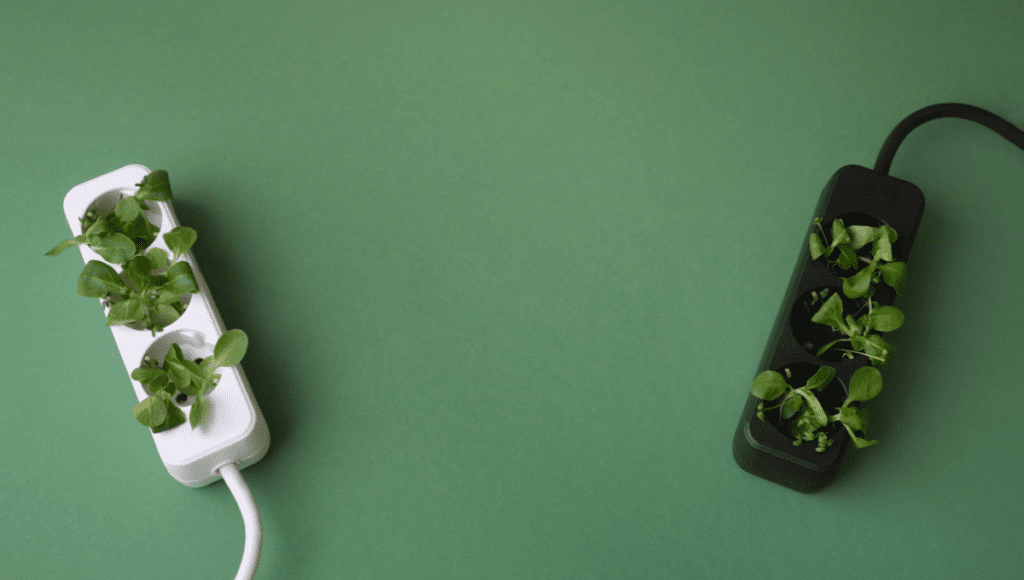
(250, 517)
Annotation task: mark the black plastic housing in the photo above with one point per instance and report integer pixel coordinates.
(759, 447)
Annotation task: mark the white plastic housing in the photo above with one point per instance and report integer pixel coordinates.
(233, 429)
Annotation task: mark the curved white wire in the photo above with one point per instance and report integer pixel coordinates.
(250, 517)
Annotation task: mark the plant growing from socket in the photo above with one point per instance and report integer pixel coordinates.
(865, 384)
(880, 267)
(149, 288)
(187, 378)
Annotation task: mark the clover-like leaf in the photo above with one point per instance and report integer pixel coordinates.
(175, 416)
(890, 233)
(180, 239)
(865, 384)
(152, 411)
(163, 314)
(97, 280)
(883, 249)
(145, 375)
(116, 248)
(848, 416)
(231, 347)
(155, 186)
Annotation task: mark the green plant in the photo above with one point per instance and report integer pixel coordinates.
(188, 377)
(848, 240)
(865, 384)
(149, 288)
(859, 331)
(125, 232)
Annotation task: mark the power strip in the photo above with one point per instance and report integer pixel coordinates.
(233, 429)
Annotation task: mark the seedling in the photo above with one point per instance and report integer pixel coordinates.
(150, 298)
(859, 331)
(184, 377)
(865, 384)
(149, 289)
(848, 240)
(125, 232)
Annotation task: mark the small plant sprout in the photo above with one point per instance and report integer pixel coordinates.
(803, 405)
(859, 331)
(771, 385)
(185, 377)
(125, 232)
(848, 240)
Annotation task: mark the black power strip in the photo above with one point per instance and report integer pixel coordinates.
(858, 196)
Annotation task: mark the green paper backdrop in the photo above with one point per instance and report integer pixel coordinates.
(507, 269)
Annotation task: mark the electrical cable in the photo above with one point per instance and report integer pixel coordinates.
(250, 517)
(917, 118)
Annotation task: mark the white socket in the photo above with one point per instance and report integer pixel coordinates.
(232, 429)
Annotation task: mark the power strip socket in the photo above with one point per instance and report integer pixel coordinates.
(233, 429)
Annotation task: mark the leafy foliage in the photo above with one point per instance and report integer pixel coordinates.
(179, 376)
(803, 404)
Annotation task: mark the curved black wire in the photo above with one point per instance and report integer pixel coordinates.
(917, 118)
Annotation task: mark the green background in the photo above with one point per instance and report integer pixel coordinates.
(507, 269)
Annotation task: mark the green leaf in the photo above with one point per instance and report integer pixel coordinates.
(138, 271)
(157, 257)
(858, 285)
(127, 209)
(848, 416)
(152, 411)
(100, 229)
(847, 257)
(198, 376)
(98, 280)
(878, 347)
(66, 244)
(155, 186)
(831, 313)
(180, 239)
(174, 354)
(895, 275)
(861, 443)
(822, 377)
(890, 233)
(768, 385)
(197, 412)
(860, 236)
(865, 384)
(161, 383)
(179, 375)
(116, 248)
(180, 279)
(230, 348)
(146, 375)
(839, 235)
(175, 417)
(827, 346)
(855, 326)
(883, 249)
(817, 248)
(886, 318)
(819, 414)
(791, 404)
(163, 314)
(125, 312)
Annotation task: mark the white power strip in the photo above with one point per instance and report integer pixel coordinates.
(232, 433)
(233, 429)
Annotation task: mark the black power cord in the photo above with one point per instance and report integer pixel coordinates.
(940, 111)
